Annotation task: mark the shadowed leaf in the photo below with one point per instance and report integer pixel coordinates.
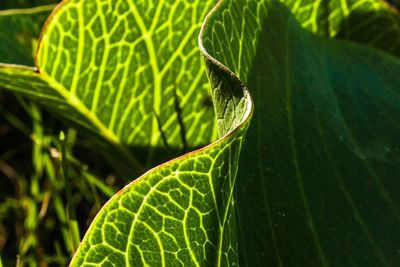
(317, 184)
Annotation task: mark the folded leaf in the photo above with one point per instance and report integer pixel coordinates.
(178, 214)
(317, 184)
(182, 212)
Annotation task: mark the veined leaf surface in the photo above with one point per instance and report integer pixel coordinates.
(317, 184)
(178, 214)
(318, 179)
(182, 212)
(368, 22)
(126, 71)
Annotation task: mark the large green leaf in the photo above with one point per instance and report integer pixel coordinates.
(127, 72)
(295, 170)
(317, 183)
(178, 214)
(318, 180)
(182, 212)
(195, 200)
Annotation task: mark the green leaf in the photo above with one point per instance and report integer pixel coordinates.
(178, 214)
(127, 74)
(317, 184)
(182, 212)
(368, 22)
(318, 178)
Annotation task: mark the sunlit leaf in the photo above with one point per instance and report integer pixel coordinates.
(125, 71)
(317, 182)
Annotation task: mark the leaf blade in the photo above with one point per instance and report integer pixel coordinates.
(182, 211)
(108, 94)
(303, 154)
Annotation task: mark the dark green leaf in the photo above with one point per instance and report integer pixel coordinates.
(318, 180)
